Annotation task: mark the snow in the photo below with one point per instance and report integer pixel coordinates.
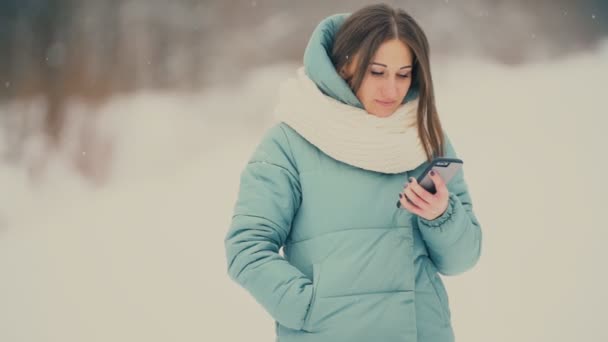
(142, 257)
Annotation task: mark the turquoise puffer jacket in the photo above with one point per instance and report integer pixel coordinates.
(354, 266)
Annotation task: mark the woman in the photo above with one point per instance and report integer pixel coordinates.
(357, 121)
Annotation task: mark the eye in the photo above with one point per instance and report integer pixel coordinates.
(405, 76)
(376, 73)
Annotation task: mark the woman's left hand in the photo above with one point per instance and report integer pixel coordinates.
(419, 201)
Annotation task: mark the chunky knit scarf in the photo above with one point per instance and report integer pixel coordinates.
(350, 134)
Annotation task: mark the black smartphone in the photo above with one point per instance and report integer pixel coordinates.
(445, 167)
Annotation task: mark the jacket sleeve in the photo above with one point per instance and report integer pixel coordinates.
(454, 238)
(268, 197)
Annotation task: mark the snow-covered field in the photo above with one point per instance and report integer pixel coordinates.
(141, 258)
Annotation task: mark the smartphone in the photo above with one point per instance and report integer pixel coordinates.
(445, 167)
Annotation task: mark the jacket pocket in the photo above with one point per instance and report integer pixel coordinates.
(316, 274)
(440, 292)
(390, 311)
(383, 316)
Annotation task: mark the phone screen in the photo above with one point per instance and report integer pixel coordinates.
(445, 167)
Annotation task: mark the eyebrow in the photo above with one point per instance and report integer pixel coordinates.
(384, 65)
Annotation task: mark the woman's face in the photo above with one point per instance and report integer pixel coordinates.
(387, 78)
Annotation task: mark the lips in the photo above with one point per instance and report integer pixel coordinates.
(385, 103)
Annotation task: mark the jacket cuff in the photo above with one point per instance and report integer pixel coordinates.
(447, 214)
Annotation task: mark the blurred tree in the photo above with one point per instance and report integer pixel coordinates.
(89, 50)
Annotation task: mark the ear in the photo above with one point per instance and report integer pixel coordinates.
(344, 71)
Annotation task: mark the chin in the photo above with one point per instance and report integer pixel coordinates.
(382, 112)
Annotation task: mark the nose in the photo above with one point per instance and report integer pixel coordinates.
(389, 89)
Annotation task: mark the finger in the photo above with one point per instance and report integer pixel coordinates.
(422, 193)
(440, 187)
(403, 198)
(414, 198)
(409, 206)
(399, 205)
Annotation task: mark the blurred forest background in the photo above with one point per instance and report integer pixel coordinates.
(124, 127)
(54, 52)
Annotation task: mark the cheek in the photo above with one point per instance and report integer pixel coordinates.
(367, 91)
(363, 94)
(403, 88)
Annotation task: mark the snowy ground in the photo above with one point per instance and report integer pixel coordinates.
(142, 258)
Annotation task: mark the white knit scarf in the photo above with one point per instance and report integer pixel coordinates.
(350, 134)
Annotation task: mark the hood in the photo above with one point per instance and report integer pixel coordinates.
(320, 69)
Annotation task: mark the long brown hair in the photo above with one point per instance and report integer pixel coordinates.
(363, 32)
